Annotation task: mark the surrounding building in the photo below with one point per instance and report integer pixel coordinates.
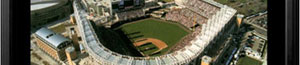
(51, 43)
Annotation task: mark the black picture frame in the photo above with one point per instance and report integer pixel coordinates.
(5, 31)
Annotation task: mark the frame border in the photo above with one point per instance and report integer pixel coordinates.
(5, 31)
(291, 32)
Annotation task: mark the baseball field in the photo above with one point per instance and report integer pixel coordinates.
(153, 37)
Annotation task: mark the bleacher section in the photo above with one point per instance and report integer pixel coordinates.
(202, 7)
(186, 17)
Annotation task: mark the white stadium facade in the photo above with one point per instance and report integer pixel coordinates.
(186, 55)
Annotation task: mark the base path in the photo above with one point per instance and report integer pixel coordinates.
(158, 43)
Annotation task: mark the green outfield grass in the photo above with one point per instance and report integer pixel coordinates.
(168, 32)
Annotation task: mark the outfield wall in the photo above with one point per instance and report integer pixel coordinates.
(184, 56)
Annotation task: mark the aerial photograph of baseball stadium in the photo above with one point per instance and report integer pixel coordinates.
(148, 32)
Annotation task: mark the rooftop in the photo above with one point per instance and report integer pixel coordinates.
(50, 37)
